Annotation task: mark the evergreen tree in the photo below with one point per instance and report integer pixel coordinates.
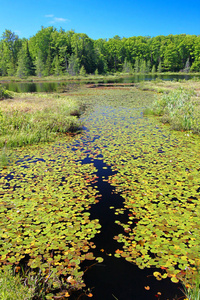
(30, 65)
(73, 65)
(187, 66)
(40, 68)
(160, 67)
(48, 63)
(148, 67)
(143, 66)
(127, 68)
(137, 65)
(56, 66)
(153, 70)
(23, 65)
(82, 71)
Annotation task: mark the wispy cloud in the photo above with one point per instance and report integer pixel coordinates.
(18, 32)
(49, 16)
(56, 20)
(60, 20)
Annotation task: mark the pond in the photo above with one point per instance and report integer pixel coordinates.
(126, 191)
(32, 87)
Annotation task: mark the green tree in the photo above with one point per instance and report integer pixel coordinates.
(82, 71)
(83, 48)
(155, 49)
(40, 43)
(153, 70)
(187, 66)
(56, 66)
(196, 56)
(159, 67)
(11, 44)
(101, 56)
(137, 65)
(23, 65)
(171, 60)
(48, 65)
(61, 46)
(40, 66)
(127, 67)
(143, 66)
(74, 65)
(115, 54)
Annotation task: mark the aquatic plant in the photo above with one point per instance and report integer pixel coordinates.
(43, 213)
(158, 177)
(45, 196)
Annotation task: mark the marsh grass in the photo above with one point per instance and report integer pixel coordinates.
(179, 108)
(12, 288)
(3, 158)
(161, 86)
(191, 284)
(37, 118)
(16, 286)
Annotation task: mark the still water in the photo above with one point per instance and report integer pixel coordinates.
(32, 87)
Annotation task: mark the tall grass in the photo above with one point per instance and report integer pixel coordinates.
(12, 288)
(191, 284)
(28, 121)
(177, 108)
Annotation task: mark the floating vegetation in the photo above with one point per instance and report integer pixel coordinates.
(43, 211)
(47, 192)
(158, 177)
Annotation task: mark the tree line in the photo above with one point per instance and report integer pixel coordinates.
(56, 52)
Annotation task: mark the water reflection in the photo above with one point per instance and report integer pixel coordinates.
(32, 87)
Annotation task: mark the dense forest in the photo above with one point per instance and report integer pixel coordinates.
(56, 52)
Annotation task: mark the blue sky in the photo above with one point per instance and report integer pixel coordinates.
(102, 19)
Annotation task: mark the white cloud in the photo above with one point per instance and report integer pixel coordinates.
(56, 20)
(60, 20)
(49, 16)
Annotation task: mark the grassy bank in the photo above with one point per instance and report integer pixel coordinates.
(176, 103)
(29, 119)
(59, 78)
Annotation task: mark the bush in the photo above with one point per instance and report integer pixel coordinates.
(4, 94)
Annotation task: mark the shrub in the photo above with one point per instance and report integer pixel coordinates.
(4, 94)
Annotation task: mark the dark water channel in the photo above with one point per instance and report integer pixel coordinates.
(115, 278)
